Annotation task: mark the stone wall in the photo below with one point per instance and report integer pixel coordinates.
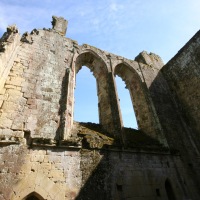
(183, 75)
(56, 173)
(38, 96)
(8, 48)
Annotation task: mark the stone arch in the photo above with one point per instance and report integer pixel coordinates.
(92, 60)
(39, 185)
(139, 97)
(123, 75)
(96, 52)
(33, 196)
(99, 69)
(169, 190)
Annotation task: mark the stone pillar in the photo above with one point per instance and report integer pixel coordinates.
(115, 111)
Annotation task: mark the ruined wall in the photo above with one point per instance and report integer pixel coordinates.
(38, 95)
(84, 174)
(8, 48)
(164, 83)
(183, 75)
(52, 173)
(33, 97)
(46, 154)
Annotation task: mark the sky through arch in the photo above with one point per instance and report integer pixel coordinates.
(126, 107)
(123, 27)
(86, 99)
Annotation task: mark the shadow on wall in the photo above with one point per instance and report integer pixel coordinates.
(175, 127)
(97, 176)
(103, 171)
(118, 175)
(114, 176)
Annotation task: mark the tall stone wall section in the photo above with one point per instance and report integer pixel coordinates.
(38, 95)
(44, 153)
(182, 74)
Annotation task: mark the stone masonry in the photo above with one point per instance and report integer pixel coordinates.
(46, 155)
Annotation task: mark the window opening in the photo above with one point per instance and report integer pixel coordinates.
(86, 100)
(128, 114)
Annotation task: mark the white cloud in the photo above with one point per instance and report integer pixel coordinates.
(122, 27)
(109, 24)
(25, 17)
(115, 7)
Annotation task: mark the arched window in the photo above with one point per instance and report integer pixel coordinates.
(126, 77)
(127, 110)
(86, 100)
(33, 196)
(169, 190)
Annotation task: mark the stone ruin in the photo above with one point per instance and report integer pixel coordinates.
(46, 155)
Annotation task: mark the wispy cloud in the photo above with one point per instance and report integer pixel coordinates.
(110, 24)
(24, 17)
(122, 27)
(115, 7)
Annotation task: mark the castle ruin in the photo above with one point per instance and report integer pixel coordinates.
(46, 155)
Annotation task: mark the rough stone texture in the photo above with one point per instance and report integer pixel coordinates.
(46, 155)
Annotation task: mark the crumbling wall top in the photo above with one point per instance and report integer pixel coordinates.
(150, 59)
(59, 25)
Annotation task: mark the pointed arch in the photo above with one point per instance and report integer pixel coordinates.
(39, 185)
(128, 116)
(133, 84)
(33, 196)
(92, 60)
(100, 71)
(139, 97)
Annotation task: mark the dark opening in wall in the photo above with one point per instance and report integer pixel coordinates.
(86, 100)
(169, 190)
(158, 192)
(33, 196)
(119, 188)
(27, 136)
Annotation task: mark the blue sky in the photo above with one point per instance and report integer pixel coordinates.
(122, 27)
